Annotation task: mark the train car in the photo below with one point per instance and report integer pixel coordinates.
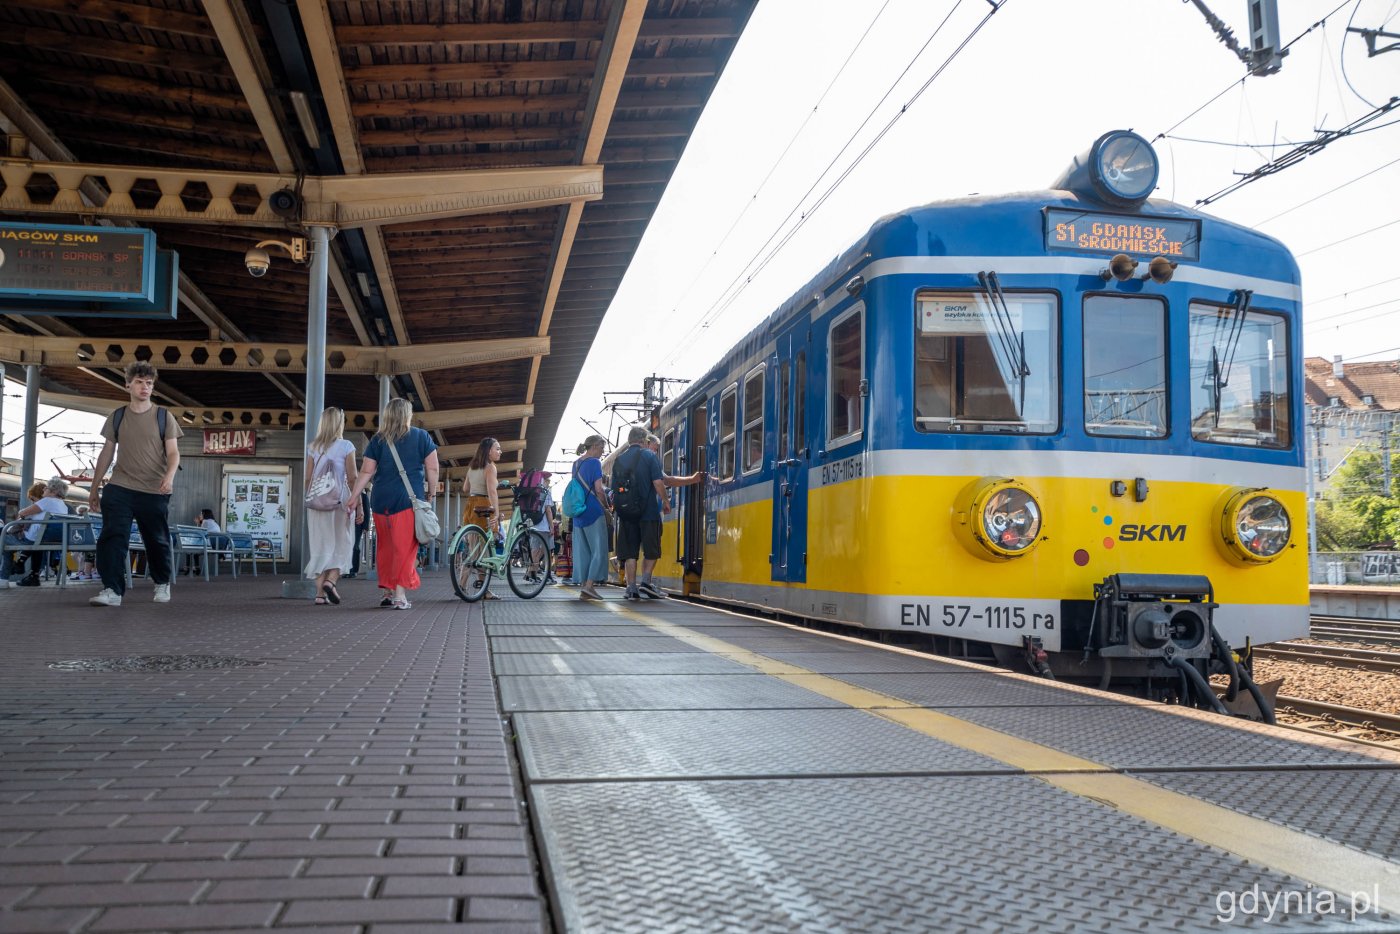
(1062, 428)
(13, 499)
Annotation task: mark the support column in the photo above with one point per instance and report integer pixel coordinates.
(300, 588)
(31, 429)
(383, 394)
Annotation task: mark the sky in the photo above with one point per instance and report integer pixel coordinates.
(813, 84)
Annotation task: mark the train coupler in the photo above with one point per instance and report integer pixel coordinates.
(1037, 659)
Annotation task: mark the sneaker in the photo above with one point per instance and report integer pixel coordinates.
(650, 590)
(31, 580)
(162, 594)
(632, 595)
(108, 597)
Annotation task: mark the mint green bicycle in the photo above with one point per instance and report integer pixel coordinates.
(524, 560)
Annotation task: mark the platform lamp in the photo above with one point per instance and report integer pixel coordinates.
(258, 262)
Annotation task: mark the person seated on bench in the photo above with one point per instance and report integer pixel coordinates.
(50, 503)
(208, 523)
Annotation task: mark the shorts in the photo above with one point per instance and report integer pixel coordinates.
(645, 534)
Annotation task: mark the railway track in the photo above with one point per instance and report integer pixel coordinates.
(1352, 659)
(1349, 629)
(1336, 713)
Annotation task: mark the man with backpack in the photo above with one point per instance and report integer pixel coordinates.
(142, 436)
(638, 493)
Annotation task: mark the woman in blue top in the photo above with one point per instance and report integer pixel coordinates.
(396, 555)
(590, 526)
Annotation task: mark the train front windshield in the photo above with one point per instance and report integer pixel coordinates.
(1239, 377)
(986, 366)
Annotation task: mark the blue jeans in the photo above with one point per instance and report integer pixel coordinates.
(591, 552)
(152, 514)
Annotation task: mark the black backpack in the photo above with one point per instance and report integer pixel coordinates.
(161, 417)
(628, 495)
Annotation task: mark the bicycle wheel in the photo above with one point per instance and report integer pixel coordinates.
(529, 564)
(469, 577)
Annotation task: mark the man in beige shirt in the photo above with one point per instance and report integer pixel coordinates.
(143, 438)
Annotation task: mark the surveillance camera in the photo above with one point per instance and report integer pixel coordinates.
(257, 262)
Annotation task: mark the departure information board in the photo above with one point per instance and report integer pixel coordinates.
(53, 261)
(1135, 234)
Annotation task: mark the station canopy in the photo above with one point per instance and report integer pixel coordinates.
(488, 167)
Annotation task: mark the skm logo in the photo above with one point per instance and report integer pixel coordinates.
(1152, 533)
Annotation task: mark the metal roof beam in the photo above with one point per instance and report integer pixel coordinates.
(231, 357)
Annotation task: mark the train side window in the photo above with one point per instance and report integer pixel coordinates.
(984, 367)
(1239, 376)
(784, 406)
(668, 452)
(1125, 366)
(727, 406)
(799, 403)
(845, 374)
(753, 420)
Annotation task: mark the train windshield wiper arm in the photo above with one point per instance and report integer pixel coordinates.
(1012, 342)
(1222, 362)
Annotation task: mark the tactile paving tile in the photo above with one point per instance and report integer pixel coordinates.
(1356, 807)
(648, 692)
(656, 643)
(974, 689)
(731, 743)
(1139, 737)
(982, 853)
(619, 663)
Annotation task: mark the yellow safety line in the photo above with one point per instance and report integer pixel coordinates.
(1312, 859)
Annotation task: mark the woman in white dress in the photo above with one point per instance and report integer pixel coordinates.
(329, 531)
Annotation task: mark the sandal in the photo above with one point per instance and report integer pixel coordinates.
(319, 601)
(587, 595)
(329, 590)
(489, 596)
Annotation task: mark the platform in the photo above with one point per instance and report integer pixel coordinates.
(663, 767)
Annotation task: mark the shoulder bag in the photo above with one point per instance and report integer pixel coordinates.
(426, 527)
(324, 493)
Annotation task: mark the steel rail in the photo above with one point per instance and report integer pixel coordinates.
(1351, 716)
(1350, 659)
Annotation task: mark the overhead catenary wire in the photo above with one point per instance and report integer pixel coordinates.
(781, 156)
(737, 285)
(1326, 193)
(1325, 246)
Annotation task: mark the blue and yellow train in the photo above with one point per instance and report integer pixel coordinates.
(1063, 427)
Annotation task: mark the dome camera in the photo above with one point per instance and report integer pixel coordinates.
(257, 262)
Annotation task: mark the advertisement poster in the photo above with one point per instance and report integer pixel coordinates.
(255, 501)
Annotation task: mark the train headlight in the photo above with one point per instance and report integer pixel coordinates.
(1124, 167)
(1255, 526)
(998, 519)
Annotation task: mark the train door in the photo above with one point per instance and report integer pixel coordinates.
(789, 561)
(692, 501)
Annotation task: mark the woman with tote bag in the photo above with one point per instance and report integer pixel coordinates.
(412, 456)
(330, 469)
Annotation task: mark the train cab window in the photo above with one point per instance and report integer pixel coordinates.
(1125, 366)
(845, 376)
(753, 420)
(727, 411)
(1239, 376)
(668, 452)
(784, 409)
(980, 367)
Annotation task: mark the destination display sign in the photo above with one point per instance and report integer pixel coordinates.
(164, 304)
(56, 261)
(1139, 235)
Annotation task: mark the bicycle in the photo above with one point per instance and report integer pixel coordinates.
(524, 559)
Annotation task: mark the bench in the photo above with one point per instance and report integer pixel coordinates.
(189, 540)
(245, 549)
(62, 535)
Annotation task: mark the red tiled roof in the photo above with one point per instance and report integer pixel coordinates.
(1379, 379)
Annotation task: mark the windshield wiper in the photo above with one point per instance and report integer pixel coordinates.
(1222, 363)
(1013, 343)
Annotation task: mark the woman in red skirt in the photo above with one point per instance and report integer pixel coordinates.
(396, 553)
